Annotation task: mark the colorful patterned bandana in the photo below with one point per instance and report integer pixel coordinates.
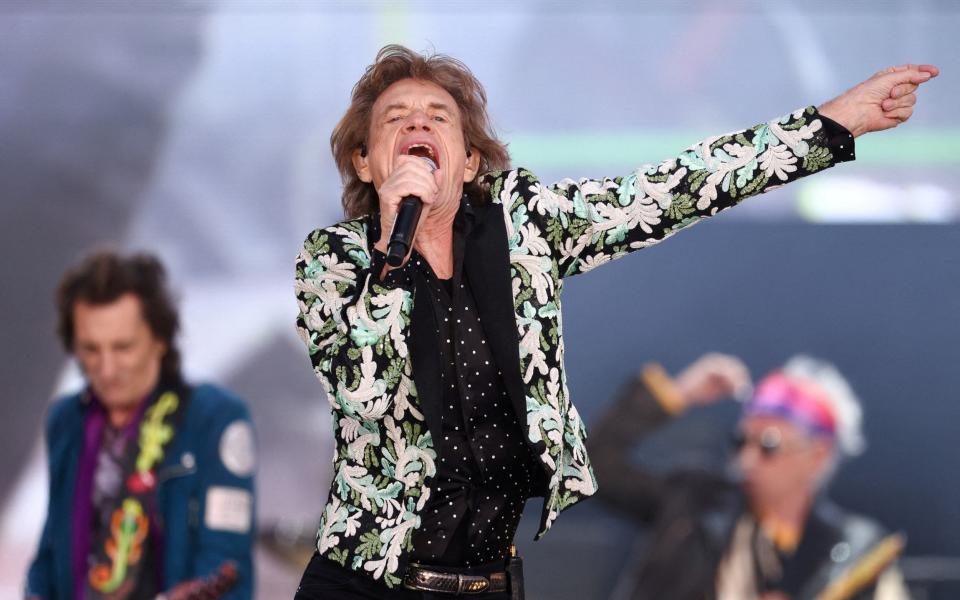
(801, 402)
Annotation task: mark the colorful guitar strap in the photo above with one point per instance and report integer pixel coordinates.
(117, 550)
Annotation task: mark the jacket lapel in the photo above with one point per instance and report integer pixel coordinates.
(425, 360)
(424, 353)
(807, 572)
(487, 264)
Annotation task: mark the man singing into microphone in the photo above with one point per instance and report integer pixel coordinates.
(445, 374)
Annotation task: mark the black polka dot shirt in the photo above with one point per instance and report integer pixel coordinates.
(485, 470)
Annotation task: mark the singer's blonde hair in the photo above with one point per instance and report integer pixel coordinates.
(395, 63)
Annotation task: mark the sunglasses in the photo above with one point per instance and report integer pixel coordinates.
(769, 442)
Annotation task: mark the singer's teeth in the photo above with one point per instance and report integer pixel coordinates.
(421, 150)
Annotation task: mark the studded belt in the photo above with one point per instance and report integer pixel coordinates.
(426, 580)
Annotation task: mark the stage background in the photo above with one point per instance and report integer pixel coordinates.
(199, 130)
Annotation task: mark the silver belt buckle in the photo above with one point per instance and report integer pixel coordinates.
(479, 585)
(427, 580)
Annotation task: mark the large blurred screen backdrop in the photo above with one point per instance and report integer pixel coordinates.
(199, 130)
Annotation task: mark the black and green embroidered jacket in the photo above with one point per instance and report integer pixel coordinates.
(527, 238)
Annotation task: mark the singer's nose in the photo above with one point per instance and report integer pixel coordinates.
(418, 120)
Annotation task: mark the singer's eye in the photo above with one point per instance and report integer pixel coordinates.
(394, 119)
(440, 118)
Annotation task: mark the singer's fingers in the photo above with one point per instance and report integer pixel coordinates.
(415, 167)
(410, 177)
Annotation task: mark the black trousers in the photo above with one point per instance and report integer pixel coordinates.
(326, 580)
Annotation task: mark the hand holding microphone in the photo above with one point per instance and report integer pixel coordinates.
(412, 184)
(405, 225)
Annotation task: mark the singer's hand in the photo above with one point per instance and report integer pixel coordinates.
(881, 102)
(411, 177)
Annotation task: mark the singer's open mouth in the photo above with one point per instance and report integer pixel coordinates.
(423, 151)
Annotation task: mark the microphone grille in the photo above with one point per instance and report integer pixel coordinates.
(429, 161)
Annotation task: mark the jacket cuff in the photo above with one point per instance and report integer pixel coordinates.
(838, 139)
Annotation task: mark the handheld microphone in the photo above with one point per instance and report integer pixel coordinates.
(404, 226)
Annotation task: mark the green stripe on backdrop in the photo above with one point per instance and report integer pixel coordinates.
(895, 148)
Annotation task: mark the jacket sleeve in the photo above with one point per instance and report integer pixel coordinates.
(642, 406)
(588, 222)
(42, 579)
(355, 325)
(227, 509)
(40, 576)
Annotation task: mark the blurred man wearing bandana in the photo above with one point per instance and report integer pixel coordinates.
(765, 530)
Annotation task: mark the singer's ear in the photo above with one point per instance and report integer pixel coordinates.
(472, 165)
(360, 164)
